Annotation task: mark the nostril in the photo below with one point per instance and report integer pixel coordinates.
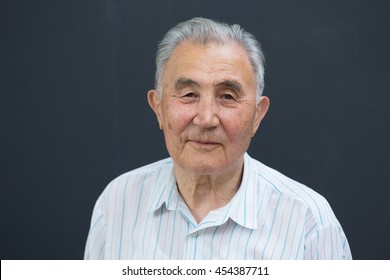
(206, 120)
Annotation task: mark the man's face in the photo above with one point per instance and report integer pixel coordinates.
(208, 109)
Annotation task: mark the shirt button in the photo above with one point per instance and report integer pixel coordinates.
(194, 234)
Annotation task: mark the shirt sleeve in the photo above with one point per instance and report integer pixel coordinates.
(96, 241)
(327, 243)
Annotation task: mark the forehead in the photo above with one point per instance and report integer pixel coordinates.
(209, 64)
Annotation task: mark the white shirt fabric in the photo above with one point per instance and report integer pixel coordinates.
(141, 215)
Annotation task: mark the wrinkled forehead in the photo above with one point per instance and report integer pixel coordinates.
(212, 60)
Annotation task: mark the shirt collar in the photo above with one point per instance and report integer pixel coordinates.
(242, 208)
(164, 189)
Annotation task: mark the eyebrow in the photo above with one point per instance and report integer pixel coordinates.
(226, 84)
(231, 84)
(185, 82)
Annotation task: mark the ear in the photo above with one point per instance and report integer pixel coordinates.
(155, 104)
(261, 110)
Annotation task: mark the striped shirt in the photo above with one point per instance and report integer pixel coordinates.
(141, 215)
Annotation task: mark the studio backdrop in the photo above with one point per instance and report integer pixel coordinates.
(74, 114)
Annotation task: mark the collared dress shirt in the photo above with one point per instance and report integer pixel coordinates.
(141, 215)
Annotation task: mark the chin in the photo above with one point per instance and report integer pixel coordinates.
(203, 166)
(202, 162)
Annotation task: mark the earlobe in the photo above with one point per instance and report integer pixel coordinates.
(261, 110)
(154, 103)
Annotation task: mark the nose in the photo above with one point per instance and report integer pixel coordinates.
(207, 113)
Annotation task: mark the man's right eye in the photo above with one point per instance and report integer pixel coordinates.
(189, 95)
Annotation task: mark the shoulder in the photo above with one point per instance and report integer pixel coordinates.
(142, 178)
(150, 170)
(315, 204)
(146, 169)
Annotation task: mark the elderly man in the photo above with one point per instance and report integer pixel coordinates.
(210, 199)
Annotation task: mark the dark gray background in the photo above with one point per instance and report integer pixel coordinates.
(74, 115)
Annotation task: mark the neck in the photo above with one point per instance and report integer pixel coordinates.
(206, 192)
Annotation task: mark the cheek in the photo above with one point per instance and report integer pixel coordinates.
(238, 129)
(176, 123)
(177, 119)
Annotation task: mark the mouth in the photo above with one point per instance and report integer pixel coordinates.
(203, 144)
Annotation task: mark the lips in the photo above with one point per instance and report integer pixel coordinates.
(203, 144)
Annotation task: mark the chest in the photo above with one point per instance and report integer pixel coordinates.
(171, 235)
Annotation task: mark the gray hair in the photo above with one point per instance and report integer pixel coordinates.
(204, 31)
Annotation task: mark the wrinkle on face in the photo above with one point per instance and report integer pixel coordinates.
(208, 113)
